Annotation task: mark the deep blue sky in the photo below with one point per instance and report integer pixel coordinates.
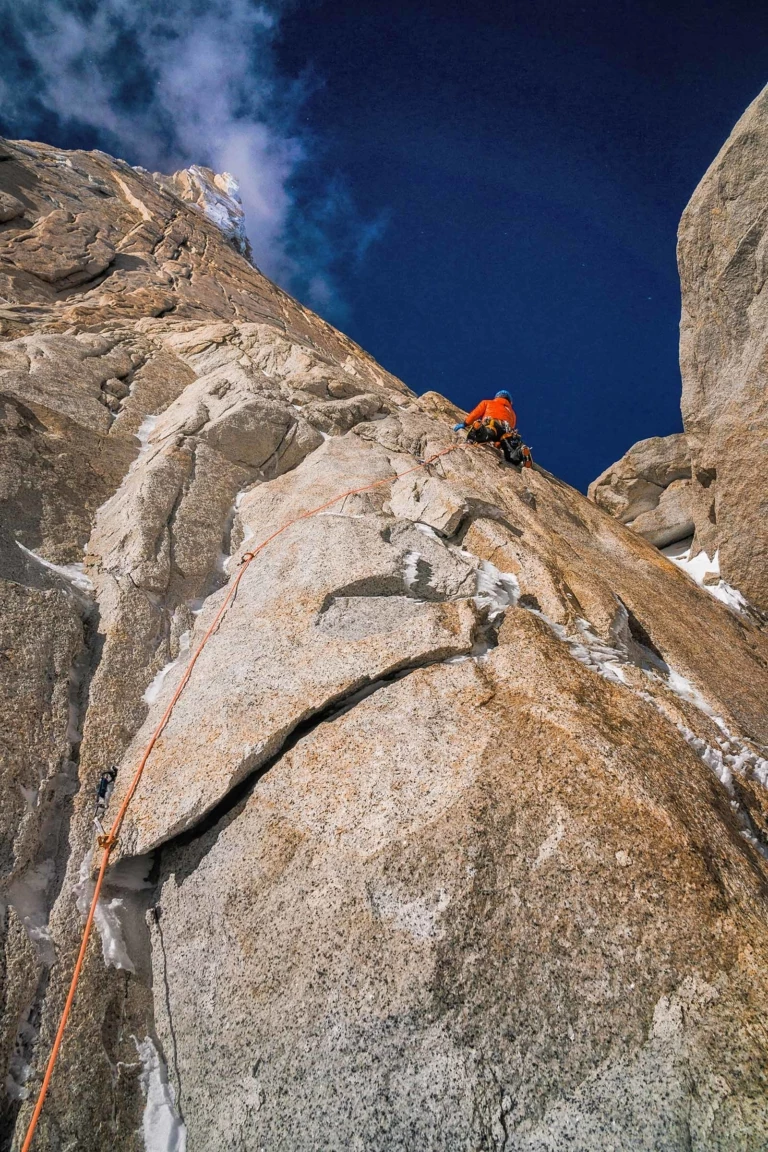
(535, 158)
(530, 161)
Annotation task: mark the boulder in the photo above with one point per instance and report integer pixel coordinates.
(672, 518)
(633, 485)
(10, 207)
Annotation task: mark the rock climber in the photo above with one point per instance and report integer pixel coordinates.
(493, 422)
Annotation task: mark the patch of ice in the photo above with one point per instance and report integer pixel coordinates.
(729, 596)
(162, 1127)
(106, 918)
(712, 757)
(31, 797)
(74, 573)
(26, 895)
(589, 649)
(155, 688)
(143, 433)
(495, 591)
(723, 765)
(733, 756)
(218, 198)
(18, 1074)
(411, 570)
(686, 691)
(145, 430)
(131, 873)
(700, 568)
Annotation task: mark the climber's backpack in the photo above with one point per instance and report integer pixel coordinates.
(486, 431)
(498, 432)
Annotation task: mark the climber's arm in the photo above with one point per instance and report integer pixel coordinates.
(476, 413)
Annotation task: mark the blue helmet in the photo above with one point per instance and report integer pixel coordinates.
(503, 395)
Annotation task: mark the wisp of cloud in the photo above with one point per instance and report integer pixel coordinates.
(188, 81)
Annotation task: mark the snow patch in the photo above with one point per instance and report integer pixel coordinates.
(589, 649)
(162, 1127)
(145, 430)
(686, 691)
(26, 895)
(706, 573)
(733, 755)
(724, 764)
(143, 433)
(106, 918)
(155, 688)
(712, 757)
(411, 570)
(218, 198)
(18, 1074)
(495, 591)
(31, 797)
(74, 573)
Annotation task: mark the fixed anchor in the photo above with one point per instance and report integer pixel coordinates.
(103, 794)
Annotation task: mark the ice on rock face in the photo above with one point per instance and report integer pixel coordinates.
(74, 573)
(162, 1127)
(106, 918)
(218, 198)
(411, 571)
(143, 434)
(496, 591)
(155, 688)
(706, 573)
(27, 894)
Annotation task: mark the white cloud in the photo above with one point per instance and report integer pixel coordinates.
(183, 82)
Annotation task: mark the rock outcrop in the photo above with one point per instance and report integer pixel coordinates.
(723, 360)
(457, 836)
(649, 489)
(217, 195)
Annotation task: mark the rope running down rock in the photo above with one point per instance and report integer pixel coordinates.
(108, 842)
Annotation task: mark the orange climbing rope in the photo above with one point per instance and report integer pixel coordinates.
(107, 843)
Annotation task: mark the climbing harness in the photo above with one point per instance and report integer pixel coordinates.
(107, 841)
(489, 430)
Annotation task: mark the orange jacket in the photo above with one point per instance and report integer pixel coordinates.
(500, 409)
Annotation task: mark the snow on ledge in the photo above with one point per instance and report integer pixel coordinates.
(706, 573)
(74, 573)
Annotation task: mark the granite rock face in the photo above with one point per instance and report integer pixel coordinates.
(458, 834)
(724, 353)
(723, 501)
(649, 489)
